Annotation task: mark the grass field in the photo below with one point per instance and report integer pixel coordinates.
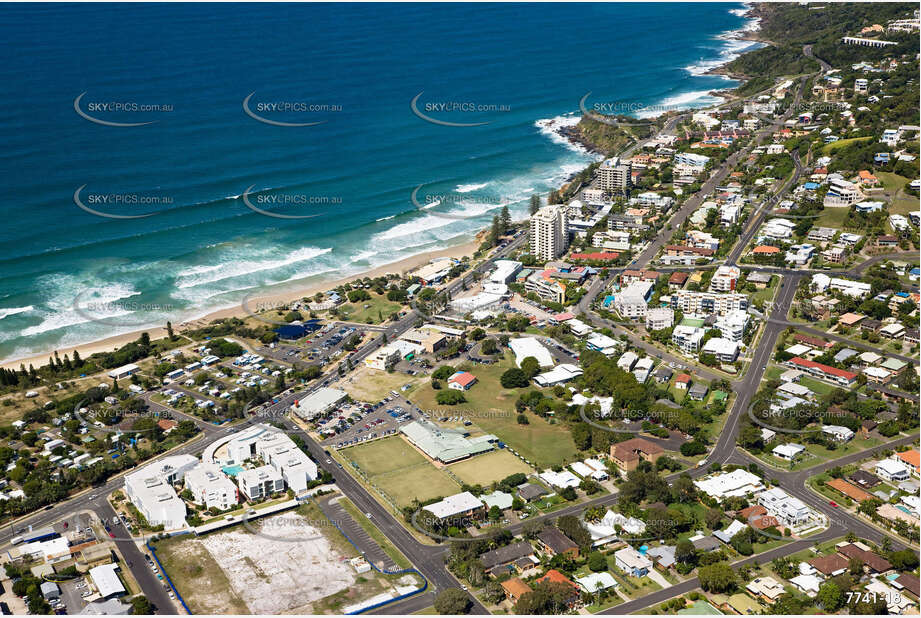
(542, 443)
(766, 294)
(817, 386)
(400, 471)
(486, 395)
(843, 143)
(832, 217)
(489, 467)
(373, 311)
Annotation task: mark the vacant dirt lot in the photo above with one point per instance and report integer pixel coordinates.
(238, 571)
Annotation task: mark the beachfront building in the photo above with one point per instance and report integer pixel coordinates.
(549, 232)
(687, 338)
(659, 318)
(614, 176)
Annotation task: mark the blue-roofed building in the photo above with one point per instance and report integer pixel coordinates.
(881, 157)
(296, 331)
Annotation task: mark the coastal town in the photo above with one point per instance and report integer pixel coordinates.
(685, 382)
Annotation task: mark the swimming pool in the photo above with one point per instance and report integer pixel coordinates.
(232, 470)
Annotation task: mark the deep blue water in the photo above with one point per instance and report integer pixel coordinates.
(362, 63)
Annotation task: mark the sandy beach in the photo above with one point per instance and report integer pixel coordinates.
(112, 343)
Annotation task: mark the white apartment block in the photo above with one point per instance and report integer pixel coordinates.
(659, 318)
(211, 487)
(841, 193)
(687, 339)
(614, 175)
(725, 279)
(855, 289)
(549, 233)
(705, 303)
(788, 510)
(150, 489)
(690, 159)
(276, 449)
(724, 350)
(631, 302)
(732, 325)
(261, 482)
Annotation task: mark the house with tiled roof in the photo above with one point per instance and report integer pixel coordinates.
(628, 454)
(851, 491)
(912, 459)
(554, 576)
(872, 562)
(515, 588)
(830, 565)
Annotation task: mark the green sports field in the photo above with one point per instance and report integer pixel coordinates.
(488, 468)
(400, 471)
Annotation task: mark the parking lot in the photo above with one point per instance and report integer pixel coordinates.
(316, 348)
(361, 423)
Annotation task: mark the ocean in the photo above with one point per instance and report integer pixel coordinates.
(165, 160)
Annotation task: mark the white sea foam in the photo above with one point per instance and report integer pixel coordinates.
(553, 128)
(470, 187)
(7, 311)
(236, 267)
(386, 218)
(683, 101)
(69, 293)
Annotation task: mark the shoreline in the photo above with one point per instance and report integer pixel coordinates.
(565, 131)
(111, 343)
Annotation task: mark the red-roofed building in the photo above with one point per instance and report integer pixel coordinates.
(765, 250)
(515, 588)
(911, 458)
(683, 382)
(562, 317)
(605, 256)
(167, 425)
(461, 381)
(816, 342)
(677, 280)
(832, 374)
(555, 577)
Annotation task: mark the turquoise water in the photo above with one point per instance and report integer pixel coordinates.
(68, 276)
(232, 470)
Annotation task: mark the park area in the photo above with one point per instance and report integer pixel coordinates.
(375, 310)
(488, 468)
(492, 409)
(393, 467)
